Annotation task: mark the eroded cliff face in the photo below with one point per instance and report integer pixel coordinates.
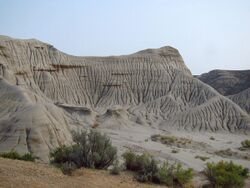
(44, 94)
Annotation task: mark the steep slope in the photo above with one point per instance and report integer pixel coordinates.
(54, 93)
(233, 84)
(29, 123)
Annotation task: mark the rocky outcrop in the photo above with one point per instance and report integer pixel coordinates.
(46, 93)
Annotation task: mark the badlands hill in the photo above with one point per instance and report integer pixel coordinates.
(45, 94)
(231, 83)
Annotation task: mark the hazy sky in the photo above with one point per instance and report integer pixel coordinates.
(210, 34)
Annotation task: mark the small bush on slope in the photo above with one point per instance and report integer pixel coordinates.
(67, 168)
(147, 169)
(135, 162)
(116, 168)
(245, 144)
(174, 174)
(226, 174)
(91, 149)
(144, 165)
(14, 155)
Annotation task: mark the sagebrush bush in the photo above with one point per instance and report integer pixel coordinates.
(226, 174)
(144, 165)
(130, 159)
(136, 162)
(61, 155)
(165, 174)
(67, 168)
(11, 155)
(27, 157)
(174, 174)
(182, 176)
(91, 149)
(116, 168)
(146, 168)
(14, 155)
(245, 144)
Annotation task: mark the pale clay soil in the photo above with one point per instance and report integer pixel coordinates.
(138, 139)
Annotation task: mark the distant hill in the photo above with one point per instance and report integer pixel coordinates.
(231, 83)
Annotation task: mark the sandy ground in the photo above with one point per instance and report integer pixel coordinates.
(21, 174)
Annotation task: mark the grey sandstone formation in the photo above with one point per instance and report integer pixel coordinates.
(45, 94)
(235, 84)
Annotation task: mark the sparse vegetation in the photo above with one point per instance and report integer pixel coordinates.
(212, 138)
(174, 151)
(147, 170)
(91, 149)
(203, 158)
(226, 174)
(14, 155)
(171, 140)
(226, 153)
(246, 144)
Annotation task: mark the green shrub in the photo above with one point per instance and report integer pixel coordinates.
(203, 158)
(144, 165)
(147, 170)
(27, 157)
(174, 151)
(91, 150)
(116, 168)
(138, 163)
(61, 155)
(165, 174)
(212, 138)
(182, 176)
(226, 174)
(245, 144)
(11, 155)
(68, 168)
(130, 159)
(174, 174)
(14, 155)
